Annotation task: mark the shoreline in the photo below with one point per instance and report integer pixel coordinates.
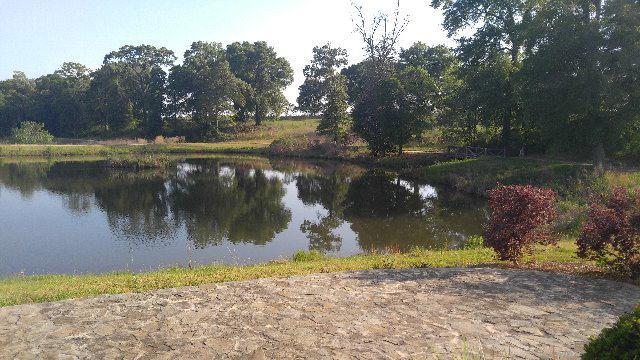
(17, 290)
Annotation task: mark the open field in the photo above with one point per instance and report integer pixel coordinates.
(256, 140)
(242, 146)
(35, 289)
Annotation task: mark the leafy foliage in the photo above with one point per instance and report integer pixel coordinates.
(16, 97)
(324, 91)
(611, 233)
(473, 243)
(393, 104)
(30, 132)
(266, 74)
(500, 29)
(204, 87)
(519, 218)
(335, 121)
(395, 108)
(549, 76)
(307, 256)
(478, 105)
(141, 79)
(60, 100)
(572, 85)
(133, 94)
(326, 62)
(622, 341)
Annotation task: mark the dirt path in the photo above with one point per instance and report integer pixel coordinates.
(423, 313)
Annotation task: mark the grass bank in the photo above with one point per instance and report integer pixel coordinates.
(252, 140)
(35, 289)
(235, 147)
(476, 176)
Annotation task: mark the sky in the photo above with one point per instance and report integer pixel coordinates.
(37, 36)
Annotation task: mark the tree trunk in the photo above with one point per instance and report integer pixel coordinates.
(506, 131)
(599, 157)
(258, 116)
(510, 108)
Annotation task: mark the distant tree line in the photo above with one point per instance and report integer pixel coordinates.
(558, 76)
(139, 91)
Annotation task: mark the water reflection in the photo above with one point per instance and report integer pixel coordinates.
(239, 204)
(226, 210)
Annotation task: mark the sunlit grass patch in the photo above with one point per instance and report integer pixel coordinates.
(34, 289)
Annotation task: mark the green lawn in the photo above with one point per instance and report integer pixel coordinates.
(33, 289)
(255, 140)
(476, 176)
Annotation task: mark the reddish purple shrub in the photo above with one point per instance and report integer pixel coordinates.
(519, 218)
(611, 234)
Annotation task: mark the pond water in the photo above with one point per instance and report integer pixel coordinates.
(82, 217)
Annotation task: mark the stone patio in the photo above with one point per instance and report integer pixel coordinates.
(385, 314)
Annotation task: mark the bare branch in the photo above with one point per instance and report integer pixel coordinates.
(382, 34)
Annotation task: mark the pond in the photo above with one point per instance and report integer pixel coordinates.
(66, 217)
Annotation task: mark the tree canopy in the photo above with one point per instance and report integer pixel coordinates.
(139, 92)
(326, 63)
(554, 76)
(266, 74)
(204, 87)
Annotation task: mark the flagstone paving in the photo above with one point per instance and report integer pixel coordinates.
(417, 313)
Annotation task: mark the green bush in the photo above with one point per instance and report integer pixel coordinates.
(473, 243)
(290, 145)
(305, 256)
(31, 132)
(622, 341)
(140, 162)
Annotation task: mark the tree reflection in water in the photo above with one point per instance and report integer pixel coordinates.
(242, 201)
(386, 212)
(239, 204)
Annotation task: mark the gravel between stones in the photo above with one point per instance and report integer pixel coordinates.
(417, 313)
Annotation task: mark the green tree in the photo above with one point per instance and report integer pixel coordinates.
(392, 104)
(582, 81)
(59, 100)
(111, 111)
(141, 74)
(324, 66)
(444, 68)
(499, 27)
(397, 109)
(30, 132)
(622, 74)
(354, 75)
(266, 74)
(16, 97)
(204, 87)
(335, 115)
(439, 61)
(476, 106)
